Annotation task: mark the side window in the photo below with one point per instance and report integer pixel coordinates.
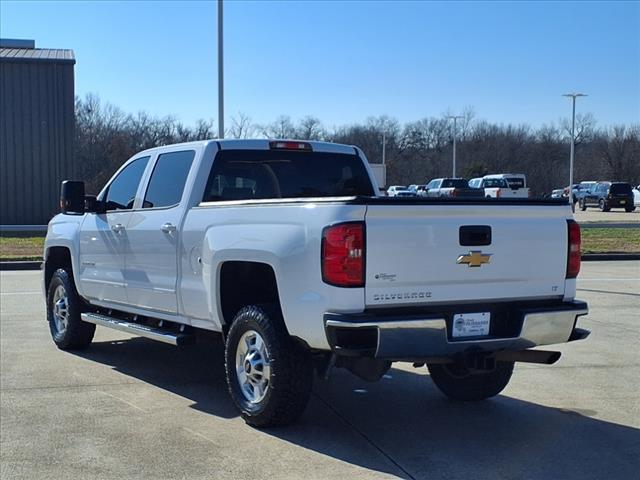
(121, 193)
(168, 179)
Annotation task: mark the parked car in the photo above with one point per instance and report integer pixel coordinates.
(406, 193)
(517, 184)
(636, 196)
(580, 190)
(451, 187)
(392, 190)
(608, 195)
(492, 187)
(283, 248)
(558, 193)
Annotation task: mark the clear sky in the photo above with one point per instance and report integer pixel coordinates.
(345, 61)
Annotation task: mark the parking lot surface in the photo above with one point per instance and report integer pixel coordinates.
(593, 215)
(132, 408)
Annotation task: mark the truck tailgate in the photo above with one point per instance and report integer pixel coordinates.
(414, 254)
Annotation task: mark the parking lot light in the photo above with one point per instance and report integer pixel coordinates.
(573, 143)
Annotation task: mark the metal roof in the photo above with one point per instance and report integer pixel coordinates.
(37, 55)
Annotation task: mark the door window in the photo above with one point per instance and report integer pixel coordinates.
(121, 193)
(168, 179)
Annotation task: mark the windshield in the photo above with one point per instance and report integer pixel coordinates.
(455, 183)
(265, 174)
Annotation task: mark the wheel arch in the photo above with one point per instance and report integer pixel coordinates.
(246, 282)
(57, 257)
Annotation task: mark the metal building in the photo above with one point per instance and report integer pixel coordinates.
(36, 130)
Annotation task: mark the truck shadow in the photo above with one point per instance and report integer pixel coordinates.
(402, 425)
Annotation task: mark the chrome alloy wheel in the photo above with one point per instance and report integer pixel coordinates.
(253, 369)
(60, 309)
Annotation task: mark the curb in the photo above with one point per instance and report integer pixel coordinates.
(610, 256)
(37, 265)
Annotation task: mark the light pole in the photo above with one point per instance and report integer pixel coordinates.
(573, 97)
(455, 132)
(384, 148)
(220, 75)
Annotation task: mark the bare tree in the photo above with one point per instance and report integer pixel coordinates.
(310, 128)
(241, 126)
(105, 137)
(282, 127)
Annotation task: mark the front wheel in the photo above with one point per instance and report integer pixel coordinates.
(269, 375)
(582, 204)
(64, 307)
(458, 383)
(603, 205)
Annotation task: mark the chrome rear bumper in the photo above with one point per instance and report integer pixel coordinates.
(413, 337)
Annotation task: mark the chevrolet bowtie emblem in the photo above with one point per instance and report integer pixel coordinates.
(474, 258)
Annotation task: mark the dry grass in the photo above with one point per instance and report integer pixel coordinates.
(611, 240)
(16, 246)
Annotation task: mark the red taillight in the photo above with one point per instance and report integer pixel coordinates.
(573, 256)
(343, 255)
(282, 145)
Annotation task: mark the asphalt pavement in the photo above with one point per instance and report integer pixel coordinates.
(132, 408)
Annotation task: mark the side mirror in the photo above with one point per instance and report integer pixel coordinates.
(72, 197)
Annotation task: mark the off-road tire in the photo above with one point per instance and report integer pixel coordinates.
(291, 367)
(78, 334)
(460, 384)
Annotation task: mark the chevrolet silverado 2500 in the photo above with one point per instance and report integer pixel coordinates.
(284, 248)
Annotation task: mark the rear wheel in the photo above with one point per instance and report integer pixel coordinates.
(458, 383)
(630, 209)
(64, 307)
(269, 375)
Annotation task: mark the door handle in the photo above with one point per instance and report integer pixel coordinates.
(168, 228)
(117, 228)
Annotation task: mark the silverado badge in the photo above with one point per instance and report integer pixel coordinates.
(475, 258)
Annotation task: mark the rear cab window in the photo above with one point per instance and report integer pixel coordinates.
(455, 183)
(515, 182)
(273, 174)
(620, 189)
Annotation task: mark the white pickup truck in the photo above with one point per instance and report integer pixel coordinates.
(284, 248)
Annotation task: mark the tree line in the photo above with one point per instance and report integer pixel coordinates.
(415, 151)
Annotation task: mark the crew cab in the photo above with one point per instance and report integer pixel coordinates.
(284, 249)
(450, 187)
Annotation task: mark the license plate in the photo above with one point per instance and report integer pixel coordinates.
(471, 324)
(622, 202)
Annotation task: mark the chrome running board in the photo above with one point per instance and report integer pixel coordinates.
(153, 333)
